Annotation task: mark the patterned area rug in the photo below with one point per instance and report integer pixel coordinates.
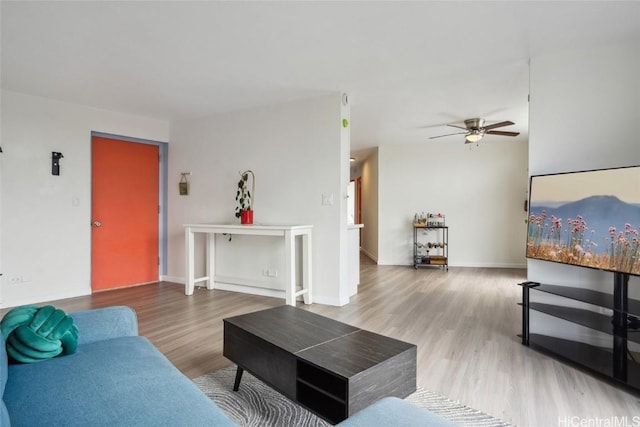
(256, 404)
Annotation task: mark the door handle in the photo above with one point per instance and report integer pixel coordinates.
(96, 223)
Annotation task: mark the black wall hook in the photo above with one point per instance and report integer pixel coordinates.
(55, 162)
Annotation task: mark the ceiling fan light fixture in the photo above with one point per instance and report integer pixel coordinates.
(474, 136)
(475, 130)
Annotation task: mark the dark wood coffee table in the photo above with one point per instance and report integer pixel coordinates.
(331, 368)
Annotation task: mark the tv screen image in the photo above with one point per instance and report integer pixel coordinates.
(587, 218)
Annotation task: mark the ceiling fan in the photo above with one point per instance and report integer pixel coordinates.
(475, 130)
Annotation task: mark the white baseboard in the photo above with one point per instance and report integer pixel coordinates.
(370, 255)
(38, 299)
(274, 293)
(173, 279)
(225, 283)
(476, 265)
(328, 301)
(488, 265)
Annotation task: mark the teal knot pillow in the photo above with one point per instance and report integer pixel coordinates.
(34, 334)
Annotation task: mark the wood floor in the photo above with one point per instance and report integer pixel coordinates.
(464, 321)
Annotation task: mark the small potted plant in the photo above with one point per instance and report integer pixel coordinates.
(244, 197)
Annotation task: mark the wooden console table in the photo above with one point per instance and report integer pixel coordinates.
(287, 232)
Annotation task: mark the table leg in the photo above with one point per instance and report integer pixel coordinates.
(188, 262)
(236, 384)
(289, 268)
(211, 259)
(306, 267)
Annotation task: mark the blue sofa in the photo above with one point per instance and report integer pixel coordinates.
(117, 378)
(114, 378)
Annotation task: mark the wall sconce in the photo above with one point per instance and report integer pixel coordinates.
(55, 162)
(183, 185)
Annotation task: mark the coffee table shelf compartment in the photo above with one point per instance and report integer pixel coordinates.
(323, 381)
(321, 392)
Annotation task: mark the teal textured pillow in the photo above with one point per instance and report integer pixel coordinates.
(34, 333)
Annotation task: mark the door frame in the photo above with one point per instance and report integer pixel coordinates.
(359, 207)
(163, 168)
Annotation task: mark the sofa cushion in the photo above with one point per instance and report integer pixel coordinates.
(105, 323)
(123, 381)
(394, 412)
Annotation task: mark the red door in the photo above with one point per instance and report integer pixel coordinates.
(124, 208)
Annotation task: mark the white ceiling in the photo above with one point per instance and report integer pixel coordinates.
(409, 67)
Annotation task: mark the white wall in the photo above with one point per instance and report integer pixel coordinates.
(480, 189)
(584, 114)
(298, 152)
(45, 239)
(584, 110)
(370, 206)
(327, 293)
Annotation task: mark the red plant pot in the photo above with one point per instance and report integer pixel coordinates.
(246, 217)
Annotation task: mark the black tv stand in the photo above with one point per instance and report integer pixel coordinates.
(623, 325)
(620, 325)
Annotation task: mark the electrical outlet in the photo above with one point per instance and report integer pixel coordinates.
(270, 272)
(327, 199)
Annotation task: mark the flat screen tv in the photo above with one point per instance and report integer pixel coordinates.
(586, 218)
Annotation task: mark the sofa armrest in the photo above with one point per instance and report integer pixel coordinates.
(391, 411)
(105, 323)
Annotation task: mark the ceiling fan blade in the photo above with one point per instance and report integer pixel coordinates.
(503, 133)
(459, 127)
(449, 134)
(499, 125)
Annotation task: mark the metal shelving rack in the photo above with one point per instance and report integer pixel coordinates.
(429, 254)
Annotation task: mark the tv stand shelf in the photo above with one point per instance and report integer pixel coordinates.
(596, 358)
(622, 325)
(600, 299)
